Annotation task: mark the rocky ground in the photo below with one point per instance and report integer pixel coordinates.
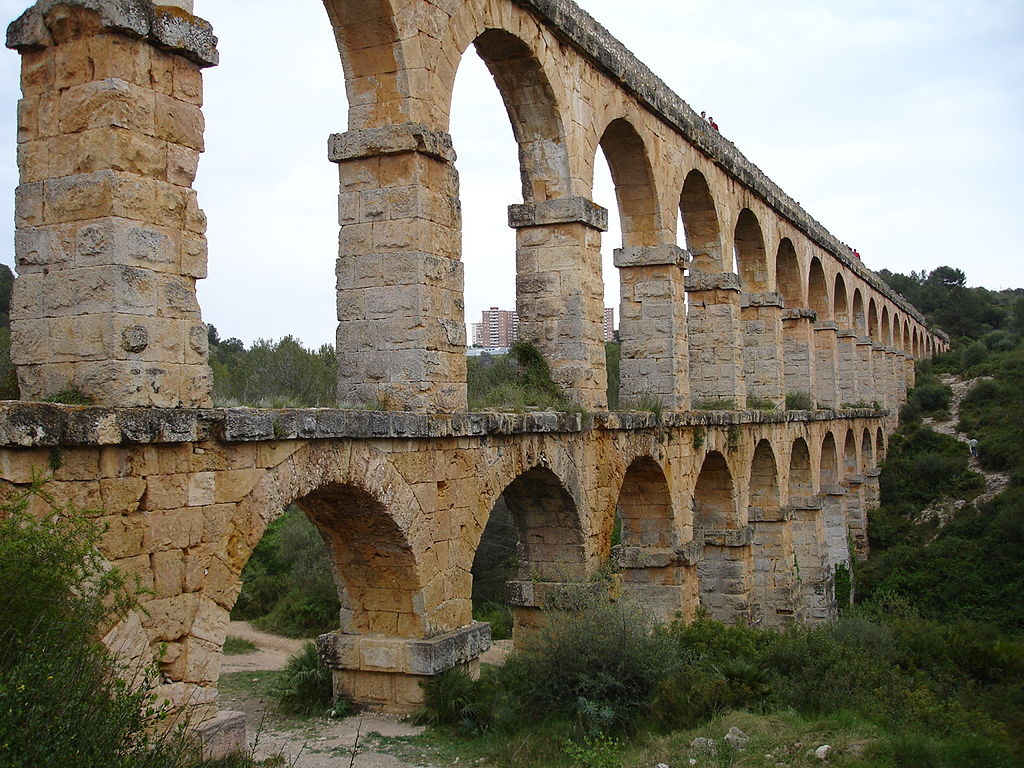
(365, 741)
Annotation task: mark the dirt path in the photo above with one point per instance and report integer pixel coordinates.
(995, 482)
(317, 742)
(273, 650)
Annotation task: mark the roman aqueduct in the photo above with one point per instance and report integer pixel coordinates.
(745, 512)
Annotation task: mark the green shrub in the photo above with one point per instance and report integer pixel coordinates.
(973, 355)
(498, 615)
(456, 699)
(761, 404)
(910, 413)
(305, 685)
(931, 395)
(64, 701)
(604, 655)
(799, 401)
(515, 382)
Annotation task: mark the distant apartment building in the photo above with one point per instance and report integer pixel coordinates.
(497, 328)
(609, 323)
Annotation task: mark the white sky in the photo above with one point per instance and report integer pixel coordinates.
(898, 125)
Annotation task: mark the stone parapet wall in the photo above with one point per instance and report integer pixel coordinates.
(44, 425)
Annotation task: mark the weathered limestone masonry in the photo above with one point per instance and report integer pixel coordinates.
(715, 507)
(109, 237)
(747, 513)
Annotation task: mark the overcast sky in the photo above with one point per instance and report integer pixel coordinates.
(897, 124)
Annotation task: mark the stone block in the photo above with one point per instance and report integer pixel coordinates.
(645, 256)
(110, 102)
(223, 735)
(568, 210)
(111, 148)
(388, 140)
(178, 122)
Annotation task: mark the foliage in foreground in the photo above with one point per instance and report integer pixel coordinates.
(61, 700)
(606, 671)
(304, 687)
(272, 374)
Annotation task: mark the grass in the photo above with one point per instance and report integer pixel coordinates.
(237, 646)
(799, 401)
(761, 404)
(517, 382)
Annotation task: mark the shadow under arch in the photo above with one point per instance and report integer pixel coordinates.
(635, 191)
(532, 109)
(817, 290)
(774, 582)
(370, 48)
(787, 275)
(856, 508)
(816, 585)
(700, 223)
(543, 546)
(751, 262)
(724, 572)
(646, 553)
(369, 518)
(859, 319)
(373, 562)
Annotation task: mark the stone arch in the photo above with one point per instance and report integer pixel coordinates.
(533, 111)
(867, 452)
(635, 190)
(371, 54)
(376, 569)
(801, 481)
(372, 524)
(644, 506)
(873, 321)
(885, 327)
(829, 460)
(908, 343)
(748, 243)
(860, 322)
(549, 527)
(700, 223)
(880, 446)
(723, 574)
(646, 555)
(787, 275)
(840, 306)
(764, 493)
(714, 496)
(851, 466)
(817, 290)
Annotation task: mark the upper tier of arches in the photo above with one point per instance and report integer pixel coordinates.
(401, 58)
